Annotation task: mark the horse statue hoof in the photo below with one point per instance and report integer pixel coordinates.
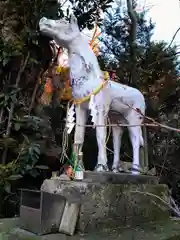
(101, 168)
(135, 170)
(115, 170)
(120, 169)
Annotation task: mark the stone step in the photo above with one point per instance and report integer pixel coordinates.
(119, 178)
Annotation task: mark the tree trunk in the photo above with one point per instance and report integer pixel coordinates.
(132, 42)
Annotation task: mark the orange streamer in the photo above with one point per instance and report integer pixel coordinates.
(48, 86)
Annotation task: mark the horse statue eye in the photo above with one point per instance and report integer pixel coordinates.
(48, 25)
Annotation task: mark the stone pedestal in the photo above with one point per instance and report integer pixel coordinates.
(109, 200)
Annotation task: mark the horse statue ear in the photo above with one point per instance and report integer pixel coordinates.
(73, 19)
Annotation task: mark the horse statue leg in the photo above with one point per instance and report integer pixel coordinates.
(135, 133)
(117, 132)
(81, 117)
(101, 141)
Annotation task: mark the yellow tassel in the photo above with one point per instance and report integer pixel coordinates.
(106, 76)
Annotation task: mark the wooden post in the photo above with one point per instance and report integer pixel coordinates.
(146, 160)
(144, 152)
(141, 155)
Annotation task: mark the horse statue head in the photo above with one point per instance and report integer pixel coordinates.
(62, 31)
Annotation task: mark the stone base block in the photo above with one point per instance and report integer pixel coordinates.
(108, 205)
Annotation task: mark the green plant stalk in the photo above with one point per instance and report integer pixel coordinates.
(74, 160)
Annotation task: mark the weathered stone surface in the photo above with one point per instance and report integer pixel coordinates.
(121, 205)
(110, 177)
(107, 205)
(69, 218)
(165, 230)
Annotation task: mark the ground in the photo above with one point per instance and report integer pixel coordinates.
(169, 230)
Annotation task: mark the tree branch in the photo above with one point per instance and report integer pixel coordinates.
(174, 37)
(171, 204)
(35, 92)
(12, 107)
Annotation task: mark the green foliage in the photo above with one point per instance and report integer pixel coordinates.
(157, 64)
(19, 20)
(7, 97)
(29, 157)
(26, 162)
(8, 52)
(116, 31)
(9, 143)
(88, 12)
(26, 121)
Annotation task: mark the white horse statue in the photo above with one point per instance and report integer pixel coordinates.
(87, 80)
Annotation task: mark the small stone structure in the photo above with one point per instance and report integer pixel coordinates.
(108, 200)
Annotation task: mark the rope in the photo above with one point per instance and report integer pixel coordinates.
(117, 125)
(64, 140)
(95, 92)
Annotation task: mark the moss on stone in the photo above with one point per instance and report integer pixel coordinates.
(122, 204)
